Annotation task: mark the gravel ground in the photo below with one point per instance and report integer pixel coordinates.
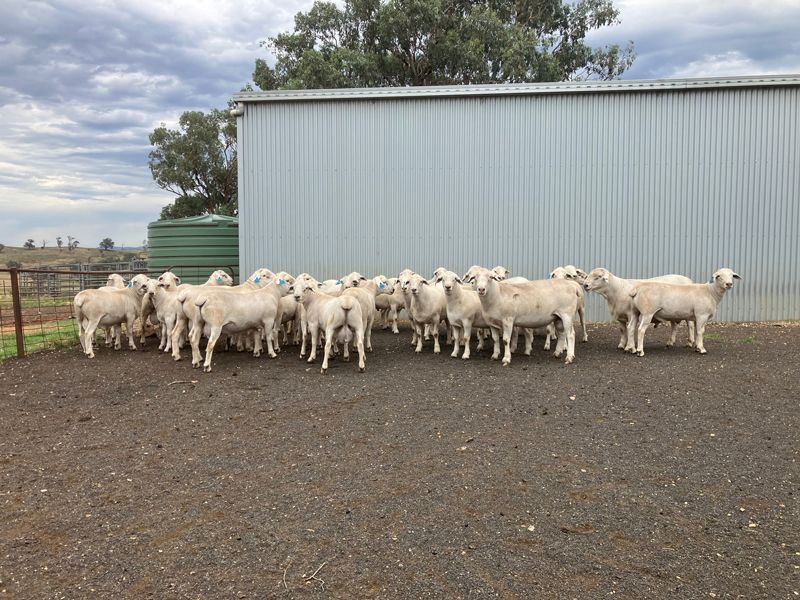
(674, 475)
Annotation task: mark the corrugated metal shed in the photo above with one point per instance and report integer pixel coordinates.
(644, 178)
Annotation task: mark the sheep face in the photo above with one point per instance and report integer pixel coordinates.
(220, 277)
(416, 282)
(596, 280)
(449, 281)
(501, 271)
(168, 280)
(725, 277)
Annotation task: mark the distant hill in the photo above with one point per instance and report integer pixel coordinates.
(53, 256)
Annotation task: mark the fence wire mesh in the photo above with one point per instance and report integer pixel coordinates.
(37, 313)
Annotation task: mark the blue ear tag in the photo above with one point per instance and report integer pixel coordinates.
(381, 285)
(130, 284)
(281, 281)
(338, 282)
(257, 278)
(219, 279)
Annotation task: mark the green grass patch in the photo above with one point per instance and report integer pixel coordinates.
(6, 303)
(747, 340)
(54, 334)
(712, 336)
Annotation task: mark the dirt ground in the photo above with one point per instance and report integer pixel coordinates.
(674, 475)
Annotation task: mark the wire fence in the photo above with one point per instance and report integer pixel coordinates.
(36, 305)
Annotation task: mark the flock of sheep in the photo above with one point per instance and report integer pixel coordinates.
(487, 301)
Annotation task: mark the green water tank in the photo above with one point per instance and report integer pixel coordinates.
(194, 247)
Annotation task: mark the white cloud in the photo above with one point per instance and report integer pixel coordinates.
(83, 83)
(686, 38)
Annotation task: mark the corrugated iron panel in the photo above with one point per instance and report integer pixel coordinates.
(642, 183)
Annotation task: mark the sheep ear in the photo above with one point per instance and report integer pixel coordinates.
(497, 277)
(552, 274)
(458, 279)
(319, 285)
(439, 279)
(424, 282)
(581, 272)
(177, 280)
(737, 276)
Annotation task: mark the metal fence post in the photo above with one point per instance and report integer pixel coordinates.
(17, 302)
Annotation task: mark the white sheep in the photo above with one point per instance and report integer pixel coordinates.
(693, 302)
(389, 305)
(185, 315)
(163, 293)
(464, 311)
(529, 305)
(106, 308)
(579, 276)
(365, 290)
(338, 316)
(428, 307)
(616, 291)
(222, 310)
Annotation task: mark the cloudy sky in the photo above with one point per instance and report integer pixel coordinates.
(83, 83)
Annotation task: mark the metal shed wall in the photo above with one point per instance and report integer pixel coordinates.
(641, 181)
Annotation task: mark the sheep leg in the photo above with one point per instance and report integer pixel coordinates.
(91, 327)
(514, 339)
(561, 337)
(673, 334)
(427, 332)
(644, 323)
(551, 334)
(269, 329)
(450, 332)
(435, 333)
(528, 340)
(700, 329)
(360, 344)
(304, 337)
(212, 340)
(569, 331)
(633, 321)
(81, 333)
(314, 327)
(368, 332)
(481, 334)
(194, 341)
(418, 331)
(162, 341)
(623, 335)
(108, 334)
(456, 339)
(691, 326)
(129, 321)
(177, 332)
(496, 339)
(508, 331)
(466, 334)
(393, 315)
(585, 337)
(330, 333)
(169, 325)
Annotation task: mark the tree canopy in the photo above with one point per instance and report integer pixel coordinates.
(367, 43)
(197, 163)
(106, 244)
